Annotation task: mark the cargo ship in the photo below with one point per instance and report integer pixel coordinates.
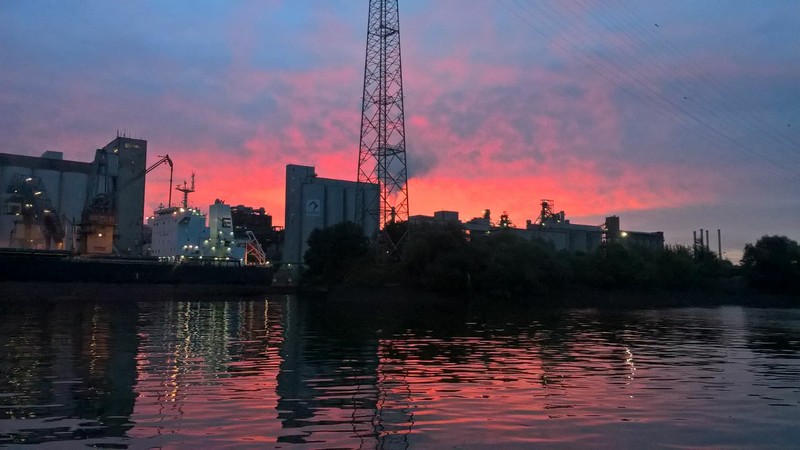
(183, 250)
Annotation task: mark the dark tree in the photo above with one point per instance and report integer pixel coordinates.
(773, 263)
(515, 266)
(436, 258)
(334, 251)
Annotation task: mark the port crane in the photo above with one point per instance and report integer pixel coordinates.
(164, 159)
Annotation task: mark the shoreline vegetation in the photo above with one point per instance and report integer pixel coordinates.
(439, 262)
(439, 266)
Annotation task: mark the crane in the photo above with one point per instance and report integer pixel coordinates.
(164, 159)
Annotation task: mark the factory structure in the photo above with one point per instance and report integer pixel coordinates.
(551, 227)
(97, 207)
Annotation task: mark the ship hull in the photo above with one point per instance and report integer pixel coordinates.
(63, 268)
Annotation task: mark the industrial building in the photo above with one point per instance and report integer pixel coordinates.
(653, 240)
(50, 203)
(438, 217)
(246, 218)
(259, 223)
(552, 227)
(42, 200)
(313, 202)
(555, 228)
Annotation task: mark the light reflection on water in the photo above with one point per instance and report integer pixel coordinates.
(281, 372)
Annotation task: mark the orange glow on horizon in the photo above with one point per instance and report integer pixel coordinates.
(579, 192)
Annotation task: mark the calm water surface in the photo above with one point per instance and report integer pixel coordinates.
(278, 372)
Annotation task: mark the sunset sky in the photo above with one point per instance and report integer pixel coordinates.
(674, 115)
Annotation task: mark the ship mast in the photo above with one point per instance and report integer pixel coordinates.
(186, 190)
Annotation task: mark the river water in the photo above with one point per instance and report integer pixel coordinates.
(282, 372)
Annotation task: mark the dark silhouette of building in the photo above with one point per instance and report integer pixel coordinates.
(49, 203)
(257, 221)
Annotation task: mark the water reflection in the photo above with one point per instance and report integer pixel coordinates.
(327, 380)
(202, 367)
(278, 372)
(68, 371)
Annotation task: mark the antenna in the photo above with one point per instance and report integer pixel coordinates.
(186, 191)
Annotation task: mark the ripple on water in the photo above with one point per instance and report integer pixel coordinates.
(281, 372)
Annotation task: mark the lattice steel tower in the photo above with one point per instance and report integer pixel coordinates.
(382, 150)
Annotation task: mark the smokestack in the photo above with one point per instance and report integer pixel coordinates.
(708, 242)
(702, 240)
(719, 243)
(694, 240)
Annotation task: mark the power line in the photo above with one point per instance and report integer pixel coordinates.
(680, 107)
(708, 83)
(652, 97)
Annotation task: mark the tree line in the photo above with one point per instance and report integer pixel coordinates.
(442, 258)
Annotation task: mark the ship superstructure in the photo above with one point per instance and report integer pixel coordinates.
(180, 234)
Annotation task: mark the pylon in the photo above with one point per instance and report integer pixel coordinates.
(382, 149)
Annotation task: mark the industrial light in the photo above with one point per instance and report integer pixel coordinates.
(624, 234)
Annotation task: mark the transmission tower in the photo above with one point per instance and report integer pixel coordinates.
(382, 149)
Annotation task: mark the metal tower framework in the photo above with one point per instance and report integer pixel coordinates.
(382, 149)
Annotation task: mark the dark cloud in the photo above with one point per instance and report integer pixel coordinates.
(420, 162)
